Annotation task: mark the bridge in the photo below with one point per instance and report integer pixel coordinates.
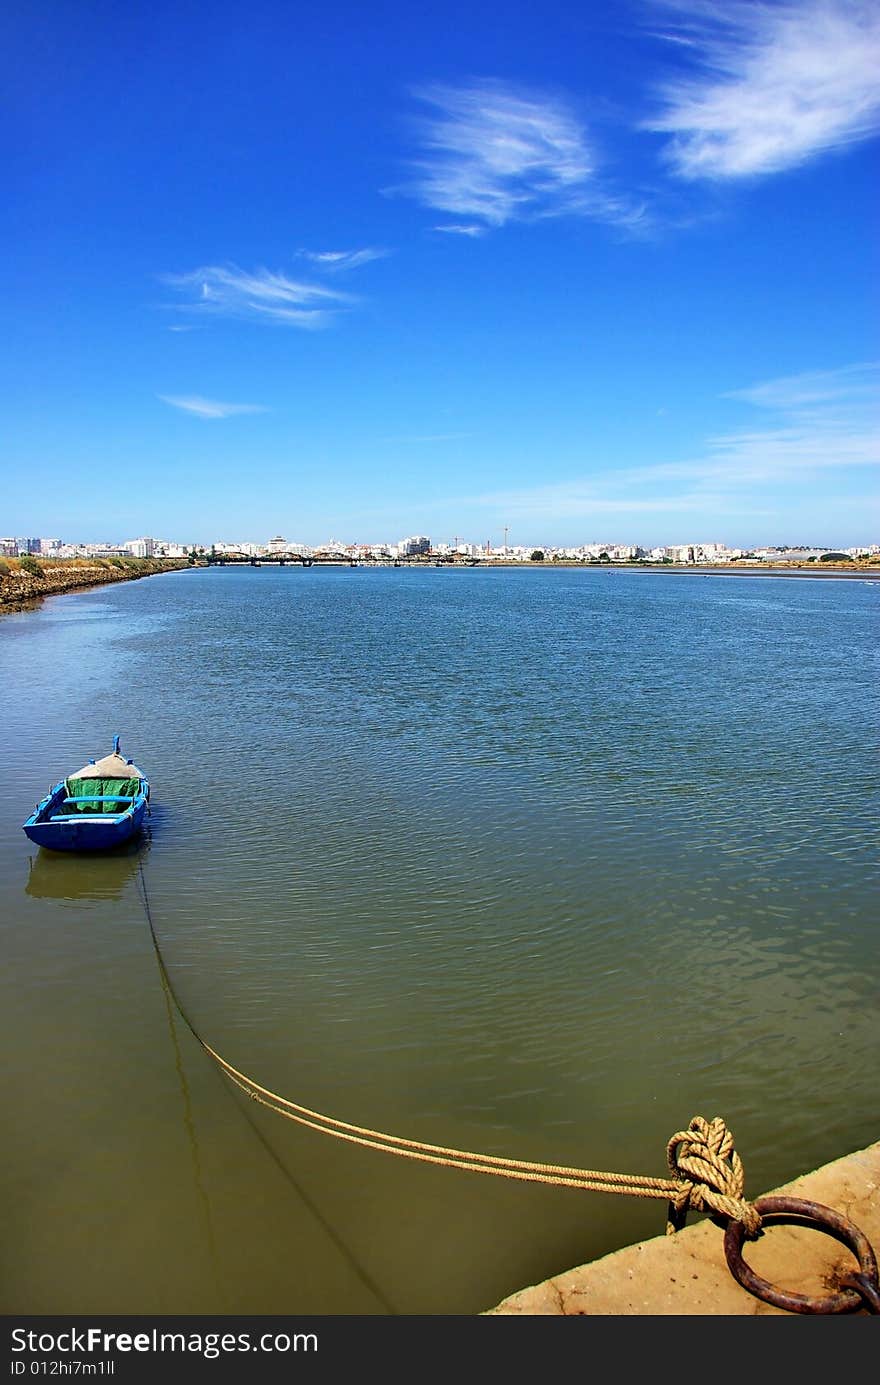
(335, 560)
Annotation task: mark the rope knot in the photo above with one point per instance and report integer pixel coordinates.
(710, 1175)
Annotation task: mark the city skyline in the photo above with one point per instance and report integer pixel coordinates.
(594, 270)
(618, 550)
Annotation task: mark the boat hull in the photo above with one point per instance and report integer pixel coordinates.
(84, 836)
(81, 832)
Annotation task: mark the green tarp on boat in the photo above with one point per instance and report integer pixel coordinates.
(89, 786)
(110, 777)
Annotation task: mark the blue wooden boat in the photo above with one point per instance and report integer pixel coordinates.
(99, 806)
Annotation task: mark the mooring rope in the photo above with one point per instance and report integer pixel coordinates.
(706, 1172)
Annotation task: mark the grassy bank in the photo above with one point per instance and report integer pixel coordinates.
(24, 581)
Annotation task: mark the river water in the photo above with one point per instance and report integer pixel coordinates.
(527, 862)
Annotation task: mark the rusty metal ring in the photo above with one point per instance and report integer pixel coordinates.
(869, 1292)
(798, 1212)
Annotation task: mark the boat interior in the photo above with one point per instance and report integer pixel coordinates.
(94, 796)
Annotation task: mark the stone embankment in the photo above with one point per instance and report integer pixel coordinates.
(687, 1273)
(22, 586)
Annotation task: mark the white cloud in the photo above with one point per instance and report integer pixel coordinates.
(209, 408)
(337, 260)
(824, 421)
(495, 154)
(780, 84)
(820, 421)
(579, 499)
(428, 437)
(852, 386)
(261, 296)
(463, 230)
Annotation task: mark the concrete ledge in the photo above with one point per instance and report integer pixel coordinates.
(687, 1273)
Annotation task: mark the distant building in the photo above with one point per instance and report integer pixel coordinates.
(417, 543)
(277, 545)
(25, 546)
(140, 548)
(680, 552)
(8, 548)
(50, 547)
(789, 555)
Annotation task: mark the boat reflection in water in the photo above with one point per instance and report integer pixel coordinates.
(75, 877)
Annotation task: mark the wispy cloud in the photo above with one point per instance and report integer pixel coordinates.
(260, 295)
(463, 230)
(209, 408)
(852, 387)
(778, 84)
(494, 153)
(428, 437)
(577, 500)
(334, 261)
(819, 421)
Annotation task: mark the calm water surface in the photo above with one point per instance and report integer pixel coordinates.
(535, 863)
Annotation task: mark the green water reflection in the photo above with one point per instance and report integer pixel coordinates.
(89, 876)
(540, 864)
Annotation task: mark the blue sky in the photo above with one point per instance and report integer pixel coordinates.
(587, 272)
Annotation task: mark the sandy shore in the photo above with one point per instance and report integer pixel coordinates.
(858, 574)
